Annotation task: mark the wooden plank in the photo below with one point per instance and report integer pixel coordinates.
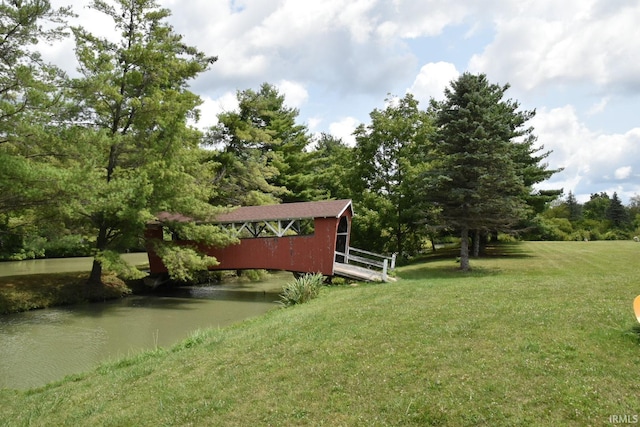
(367, 261)
(355, 272)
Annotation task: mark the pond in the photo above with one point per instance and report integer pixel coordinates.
(60, 265)
(41, 346)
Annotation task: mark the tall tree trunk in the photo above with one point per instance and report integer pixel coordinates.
(95, 278)
(464, 249)
(399, 240)
(484, 242)
(476, 243)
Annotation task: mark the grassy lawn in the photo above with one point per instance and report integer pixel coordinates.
(540, 333)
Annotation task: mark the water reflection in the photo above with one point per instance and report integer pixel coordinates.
(60, 265)
(41, 346)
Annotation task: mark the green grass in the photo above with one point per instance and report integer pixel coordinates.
(539, 333)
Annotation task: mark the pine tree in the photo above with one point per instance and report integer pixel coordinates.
(477, 182)
(575, 209)
(30, 176)
(617, 213)
(29, 98)
(264, 134)
(134, 153)
(332, 164)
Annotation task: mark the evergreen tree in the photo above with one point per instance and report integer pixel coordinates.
(617, 213)
(332, 163)
(529, 160)
(28, 86)
(133, 153)
(575, 209)
(264, 132)
(242, 179)
(477, 183)
(29, 95)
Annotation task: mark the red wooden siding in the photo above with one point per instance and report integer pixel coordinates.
(300, 253)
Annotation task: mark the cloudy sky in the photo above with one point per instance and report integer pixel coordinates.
(574, 61)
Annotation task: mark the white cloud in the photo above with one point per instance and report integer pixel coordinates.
(294, 93)
(338, 59)
(591, 160)
(344, 129)
(352, 47)
(432, 80)
(576, 41)
(623, 172)
(210, 109)
(599, 107)
(313, 123)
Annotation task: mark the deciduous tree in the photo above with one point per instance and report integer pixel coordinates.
(390, 154)
(596, 207)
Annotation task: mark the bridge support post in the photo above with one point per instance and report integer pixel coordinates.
(385, 264)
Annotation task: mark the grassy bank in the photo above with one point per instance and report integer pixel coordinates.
(543, 334)
(28, 292)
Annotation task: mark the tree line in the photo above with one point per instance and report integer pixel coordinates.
(602, 217)
(88, 161)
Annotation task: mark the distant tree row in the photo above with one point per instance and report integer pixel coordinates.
(88, 161)
(602, 217)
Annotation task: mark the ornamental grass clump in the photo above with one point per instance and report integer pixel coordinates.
(301, 290)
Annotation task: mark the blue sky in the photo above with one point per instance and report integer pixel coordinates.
(574, 62)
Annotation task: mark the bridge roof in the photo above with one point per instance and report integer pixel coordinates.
(285, 211)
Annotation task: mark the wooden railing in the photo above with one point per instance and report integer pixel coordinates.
(368, 259)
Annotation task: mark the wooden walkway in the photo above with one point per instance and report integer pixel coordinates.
(359, 273)
(359, 264)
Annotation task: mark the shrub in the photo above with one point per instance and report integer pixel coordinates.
(301, 290)
(183, 261)
(254, 275)
(204, 278)
(112, 262)
(32, 248)
(550, 229)
(67, 246)
(615, 234)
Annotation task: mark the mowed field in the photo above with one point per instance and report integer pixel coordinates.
(538, 333)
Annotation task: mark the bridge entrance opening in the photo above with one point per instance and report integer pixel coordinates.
(342, 240)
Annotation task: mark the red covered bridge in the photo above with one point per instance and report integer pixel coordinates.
(305, 237)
